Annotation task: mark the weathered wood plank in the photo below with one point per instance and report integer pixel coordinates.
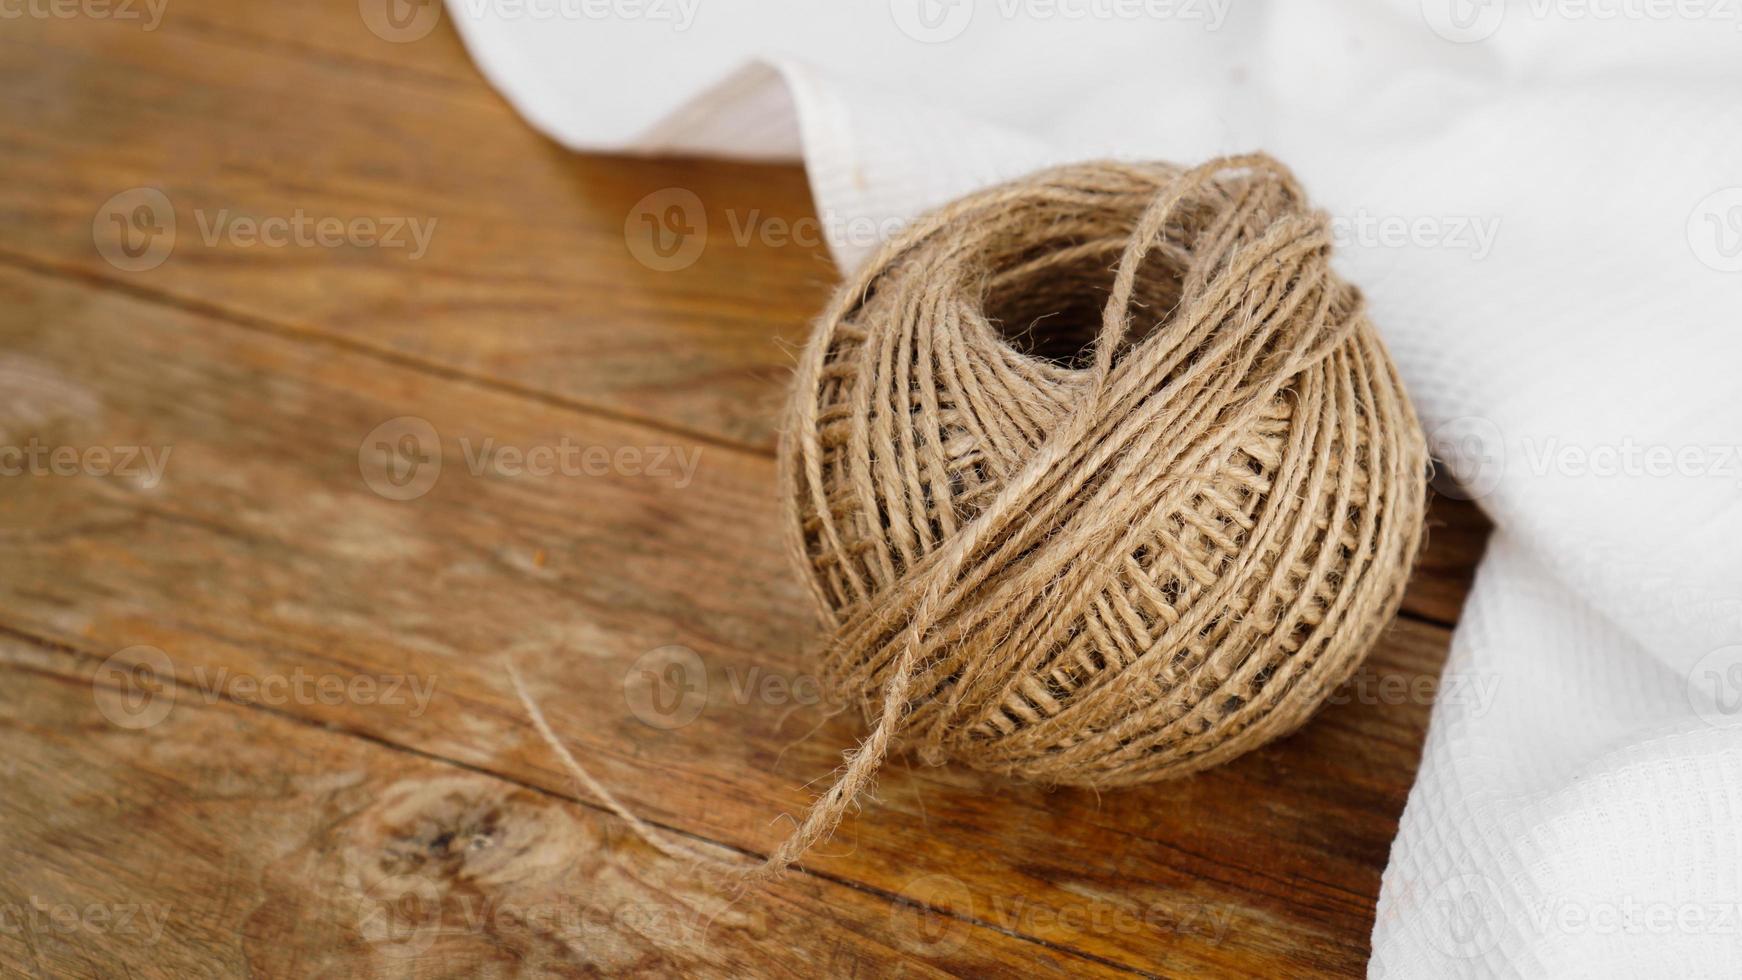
(226, 841)
(522, 275)
(415, 41)
(263, 553)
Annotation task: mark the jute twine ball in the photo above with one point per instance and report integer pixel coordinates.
(1098, 477)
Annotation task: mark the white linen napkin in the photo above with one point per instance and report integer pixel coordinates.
(1543, 203)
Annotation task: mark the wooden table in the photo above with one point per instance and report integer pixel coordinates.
(254, 715)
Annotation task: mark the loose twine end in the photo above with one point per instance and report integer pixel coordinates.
(744, 878)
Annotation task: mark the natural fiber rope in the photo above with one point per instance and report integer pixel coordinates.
(1098, 477)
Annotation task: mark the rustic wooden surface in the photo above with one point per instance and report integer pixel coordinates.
(254, 718)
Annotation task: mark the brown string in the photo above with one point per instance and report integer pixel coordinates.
(1098, 477)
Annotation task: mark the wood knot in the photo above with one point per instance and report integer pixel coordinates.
(464, 832)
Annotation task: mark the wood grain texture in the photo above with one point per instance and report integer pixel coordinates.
(349, 858)
(263, 564)
(525, 280)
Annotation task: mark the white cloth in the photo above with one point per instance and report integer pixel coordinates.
(1543, 204)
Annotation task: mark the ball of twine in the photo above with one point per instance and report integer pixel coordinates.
(1098, 477)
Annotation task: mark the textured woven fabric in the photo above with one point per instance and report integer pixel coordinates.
(1543, 204)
